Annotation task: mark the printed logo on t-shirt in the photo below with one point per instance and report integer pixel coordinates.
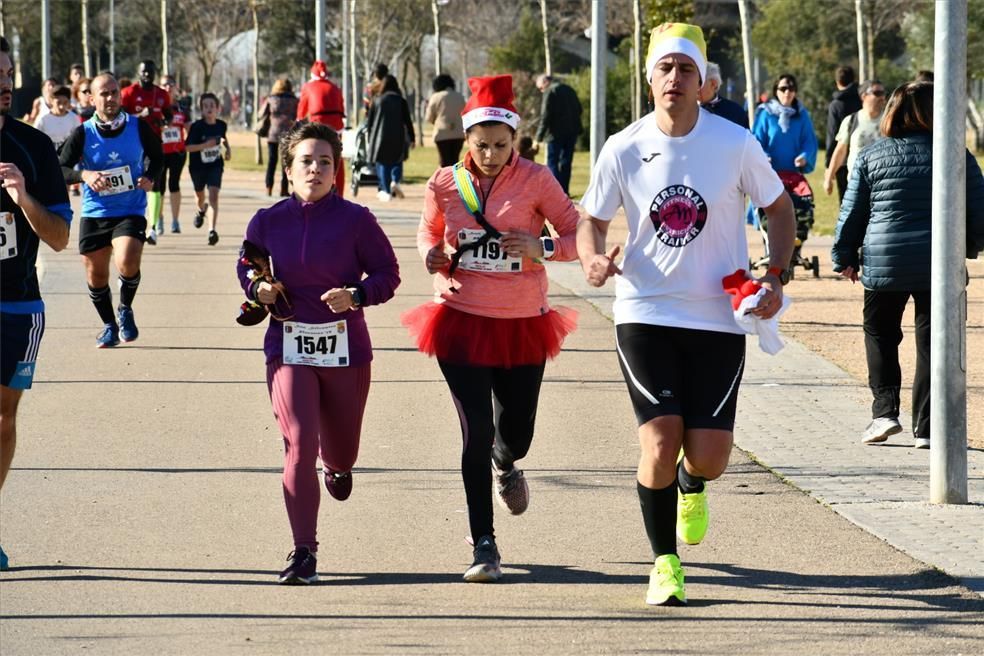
(679, 214)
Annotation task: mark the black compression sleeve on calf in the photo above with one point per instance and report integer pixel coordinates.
(659, 515)
(689, 484)
(128, 289)
(102, 298)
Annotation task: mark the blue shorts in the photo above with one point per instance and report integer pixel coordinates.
(19, 348)
(207, 177)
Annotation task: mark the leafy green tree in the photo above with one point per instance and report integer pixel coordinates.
(657, 12)
(918, 29)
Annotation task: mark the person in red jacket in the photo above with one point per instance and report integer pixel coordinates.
(322, 102)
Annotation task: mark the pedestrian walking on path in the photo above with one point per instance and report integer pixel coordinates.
(33, 208)
(885, 233)
(680, 174)
(112, 147)
(321, 101)
(205, 143)
(277, 117)
(560, 125)
(491, 326)
(333, 259)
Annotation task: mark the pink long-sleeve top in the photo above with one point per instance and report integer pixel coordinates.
(521, 197)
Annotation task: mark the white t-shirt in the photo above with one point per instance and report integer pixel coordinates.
(684, 201)
(58, 128)
(866, 133)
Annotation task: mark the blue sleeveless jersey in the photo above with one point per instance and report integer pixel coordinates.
(102, 154)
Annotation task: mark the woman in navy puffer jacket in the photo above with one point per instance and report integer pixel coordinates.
(887, 215)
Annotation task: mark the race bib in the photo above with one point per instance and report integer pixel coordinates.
(489, 257)
(8, 236)
(316, 344)
(120, 181)
(171, 135)
(209, 155)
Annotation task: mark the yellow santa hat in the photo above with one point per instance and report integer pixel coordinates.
(682, 38)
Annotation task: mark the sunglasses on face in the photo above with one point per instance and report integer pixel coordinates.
(83, 91)
(785, 89)
(877, 92)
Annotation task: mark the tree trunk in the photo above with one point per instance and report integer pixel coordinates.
(165, 55)
(751, 93)
(870, 34)
(548, 63)
(85, 39)
(256, 78)
(353, 64)
(437, 36)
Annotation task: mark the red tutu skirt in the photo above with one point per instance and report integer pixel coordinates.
(462, 338)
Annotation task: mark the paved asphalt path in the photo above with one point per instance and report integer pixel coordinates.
(144, 511)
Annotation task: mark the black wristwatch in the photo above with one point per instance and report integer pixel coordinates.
(357, 298)
(780, 273)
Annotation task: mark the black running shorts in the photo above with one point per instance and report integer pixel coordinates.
(691, 373)
(95, 234)
(207, 177)
(19, 348)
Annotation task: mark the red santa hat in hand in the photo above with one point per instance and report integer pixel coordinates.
(491, 100)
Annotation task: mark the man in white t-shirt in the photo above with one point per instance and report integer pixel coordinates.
(857, 131)
(681, 175)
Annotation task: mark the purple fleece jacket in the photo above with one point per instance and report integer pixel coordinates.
(314, 247)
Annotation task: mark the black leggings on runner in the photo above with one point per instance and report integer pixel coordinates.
(496, 407)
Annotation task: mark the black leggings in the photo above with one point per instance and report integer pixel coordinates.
(273, 149)
(496, 407)
(449, 150)
(170, 176)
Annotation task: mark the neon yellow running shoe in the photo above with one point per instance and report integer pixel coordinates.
(692, 516)
(666, 582)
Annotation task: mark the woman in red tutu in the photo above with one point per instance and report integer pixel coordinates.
(490, 326)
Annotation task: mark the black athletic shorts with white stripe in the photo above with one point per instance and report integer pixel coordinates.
(19, 348)
(682, 371)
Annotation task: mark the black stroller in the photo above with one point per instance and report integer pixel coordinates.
(363, 171)
(801, 193)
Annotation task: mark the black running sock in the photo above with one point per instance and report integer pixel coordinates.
(128, 289)
(659, 516)
(689, 484)
(102, 298)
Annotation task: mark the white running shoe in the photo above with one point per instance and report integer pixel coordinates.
(384, 196)
(880, 429)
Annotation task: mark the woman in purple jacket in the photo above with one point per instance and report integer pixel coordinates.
(332, 259)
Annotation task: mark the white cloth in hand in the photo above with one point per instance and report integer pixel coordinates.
(766, 329)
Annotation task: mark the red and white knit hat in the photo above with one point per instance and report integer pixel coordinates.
(491, 100)
(319, 70)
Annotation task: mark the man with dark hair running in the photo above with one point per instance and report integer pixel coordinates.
(34, 207)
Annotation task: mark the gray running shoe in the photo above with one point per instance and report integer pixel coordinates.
(485, 567)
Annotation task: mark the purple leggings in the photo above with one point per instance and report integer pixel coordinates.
(319, 412)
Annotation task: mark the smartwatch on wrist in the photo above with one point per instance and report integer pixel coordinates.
(356, 293)
(780, 273)
(549, 247)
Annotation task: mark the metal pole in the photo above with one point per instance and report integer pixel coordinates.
(319, 29)
(345, 57)
(352, 63)
(948, 354)
(637, 60)
(87, 67)
(862, 51)
(751, 93)
(45, 39)
(599, 70)
(112, 36)
(165, 55)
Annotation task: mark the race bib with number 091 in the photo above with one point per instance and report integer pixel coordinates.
(209, 155)
(316, 344)
(489, 257)
(120, 181)
(8, 236)
(171, 135)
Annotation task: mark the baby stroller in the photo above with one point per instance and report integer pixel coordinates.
(363, 170)
(799, 190)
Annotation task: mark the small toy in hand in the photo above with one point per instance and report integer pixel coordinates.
(253, 312)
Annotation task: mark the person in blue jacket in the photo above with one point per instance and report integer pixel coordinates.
(783, 127)
(884, 233)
